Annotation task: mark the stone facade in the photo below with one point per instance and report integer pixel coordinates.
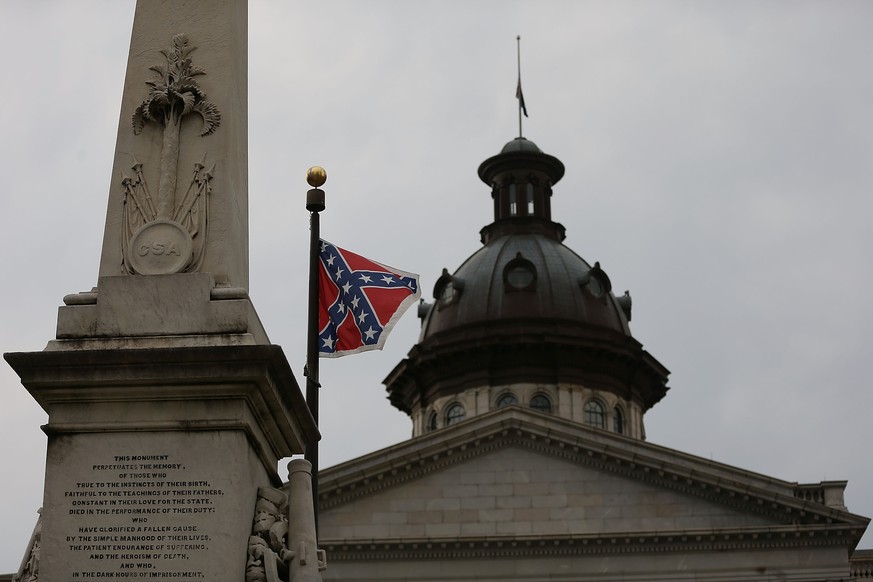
(519, 491)
(518, 495)
(565, 400)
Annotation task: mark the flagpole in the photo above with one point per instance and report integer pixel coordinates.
(518, 50)
(315, 177)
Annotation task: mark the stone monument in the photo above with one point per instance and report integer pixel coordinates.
(168, 408)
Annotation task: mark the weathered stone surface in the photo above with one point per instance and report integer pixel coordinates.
(174, 263)
(155, 456)
(218, 30)
(516, 495)
(248, 388)
(532, 500)
(149, 502)
(511, 563)
(179, 309)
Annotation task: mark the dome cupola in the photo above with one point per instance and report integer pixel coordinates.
(521, 178)
(525, 321)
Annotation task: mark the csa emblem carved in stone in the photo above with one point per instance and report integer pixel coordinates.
(167, 234)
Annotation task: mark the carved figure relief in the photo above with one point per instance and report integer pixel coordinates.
(268, 554)
(30, 569)
(168, 234)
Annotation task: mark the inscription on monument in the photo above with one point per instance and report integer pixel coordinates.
(140, 516)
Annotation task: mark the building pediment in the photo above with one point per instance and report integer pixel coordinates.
(516, 480)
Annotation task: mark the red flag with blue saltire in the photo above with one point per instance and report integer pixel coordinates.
(359, 301)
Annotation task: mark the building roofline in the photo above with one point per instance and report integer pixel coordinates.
(781, 501)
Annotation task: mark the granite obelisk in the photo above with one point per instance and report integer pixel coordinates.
(178, 198)
(168, 407)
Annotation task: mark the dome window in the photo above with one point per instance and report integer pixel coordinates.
(432, 422)
(617, 420)
(521, 199)
(594, 415)
(541, 403)
(447, 290)
(520, 274)
(596, 282)
(506, 399)
(513, 200)
(455, 414)
(529, 188)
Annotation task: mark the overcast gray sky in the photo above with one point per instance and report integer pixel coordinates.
(718, 162)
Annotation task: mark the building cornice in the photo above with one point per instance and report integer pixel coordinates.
(721, 540)
(790, 504)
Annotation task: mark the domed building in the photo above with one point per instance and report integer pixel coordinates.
(529, 460)
(527, 321)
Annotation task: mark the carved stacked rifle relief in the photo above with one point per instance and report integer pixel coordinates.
(167, 235)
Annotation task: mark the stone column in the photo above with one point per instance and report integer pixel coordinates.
(304, 566)
(167, 406)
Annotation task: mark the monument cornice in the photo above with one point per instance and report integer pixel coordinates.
(249, 388)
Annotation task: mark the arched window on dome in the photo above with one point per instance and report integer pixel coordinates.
(529, 189)
(513, 200)
(541, 403)
(455, 414)
(432, 422)
(617, 420)
(506, 399)
(594, 415)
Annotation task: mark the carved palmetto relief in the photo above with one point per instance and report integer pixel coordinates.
(167, 234)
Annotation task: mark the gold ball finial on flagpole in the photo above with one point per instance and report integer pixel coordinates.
(316, 176)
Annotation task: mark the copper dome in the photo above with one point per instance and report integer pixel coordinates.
(524, 307)
(524, 277)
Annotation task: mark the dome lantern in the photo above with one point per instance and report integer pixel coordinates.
(521, 177)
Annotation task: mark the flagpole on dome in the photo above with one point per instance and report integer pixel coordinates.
(518, 93)
(315, 177)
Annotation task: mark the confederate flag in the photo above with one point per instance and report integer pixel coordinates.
(359, 301)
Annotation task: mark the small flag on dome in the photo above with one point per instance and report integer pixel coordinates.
(359, 301)
(520, 96)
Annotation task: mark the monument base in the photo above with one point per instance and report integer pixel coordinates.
(155, 457)
(157, 311)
